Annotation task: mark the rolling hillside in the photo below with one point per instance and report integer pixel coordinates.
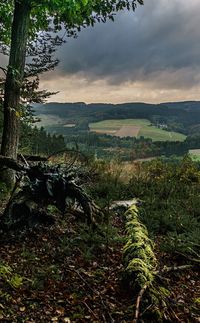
(181, 117)
(135, 128)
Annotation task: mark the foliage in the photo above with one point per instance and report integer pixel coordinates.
(36, 141)
(52, 16)
(26, 19)
(130, 148)
(6, 11)
(6, 273)
(3, 190)
(113, 188)
(170, 208)
(72, 14)
(186, 115)
(70, 266)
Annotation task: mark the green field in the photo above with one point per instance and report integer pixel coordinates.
(195, 154)
(116, 124)
(146, 130)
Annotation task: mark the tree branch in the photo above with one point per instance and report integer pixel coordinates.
(3, 69)
(139, 298)
(11, 163)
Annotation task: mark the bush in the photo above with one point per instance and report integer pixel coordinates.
(171, 202)
(107, 184)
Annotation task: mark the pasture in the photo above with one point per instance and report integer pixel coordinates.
(195, 154)
(135, 128)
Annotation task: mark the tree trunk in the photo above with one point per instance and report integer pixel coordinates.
(14, 79)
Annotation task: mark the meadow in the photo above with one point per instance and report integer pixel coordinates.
(195, 154)
(135, 127)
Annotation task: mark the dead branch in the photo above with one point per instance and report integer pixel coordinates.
(174, 314)
(11, 163)
(139, 298)
(90, 310)
(188, 257)
(165, 270)
(176, 268)
(142, 291)
(3, 69)
(24, 160)
(32, 158)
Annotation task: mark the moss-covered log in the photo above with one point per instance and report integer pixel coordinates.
(139, 258)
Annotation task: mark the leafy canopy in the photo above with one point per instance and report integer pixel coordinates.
(71, 14)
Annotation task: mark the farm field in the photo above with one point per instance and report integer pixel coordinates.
(195, 154)
(135, 128)
(125, 131)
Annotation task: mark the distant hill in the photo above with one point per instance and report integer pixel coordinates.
(183, 117)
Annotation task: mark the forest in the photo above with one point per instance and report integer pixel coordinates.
(182, 117)
(93, 227)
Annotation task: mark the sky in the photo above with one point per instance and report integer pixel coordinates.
(151, 55)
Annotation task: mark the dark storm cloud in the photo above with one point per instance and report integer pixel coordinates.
(159, 43)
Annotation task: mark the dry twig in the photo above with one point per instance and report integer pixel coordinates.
(175, 268)
(139, 298)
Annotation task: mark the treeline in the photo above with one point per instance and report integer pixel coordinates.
(45, 141)
(109, 147)
(130, 148)
(36, 141)
(182, 117)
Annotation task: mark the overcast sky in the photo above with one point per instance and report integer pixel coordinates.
(152, 55)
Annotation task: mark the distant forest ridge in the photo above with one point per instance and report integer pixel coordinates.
(183, 117)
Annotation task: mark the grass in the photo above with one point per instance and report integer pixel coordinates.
(157, 134)
(195, 154)
(117, 124)
(147, 131)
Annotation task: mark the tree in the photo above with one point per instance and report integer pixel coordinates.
(20, 22)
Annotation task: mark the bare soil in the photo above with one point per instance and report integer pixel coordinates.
(128, 131)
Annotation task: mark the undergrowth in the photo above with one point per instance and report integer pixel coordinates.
(169, 192)
(168, 219)
(171, 203)
(12, 279)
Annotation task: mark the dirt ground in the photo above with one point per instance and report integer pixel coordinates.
(128, 131)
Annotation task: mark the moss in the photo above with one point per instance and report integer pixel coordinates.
(138, 255)
(197, 301)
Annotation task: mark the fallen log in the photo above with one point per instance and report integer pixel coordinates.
(11, 163)
(138, 256)
(32, 158)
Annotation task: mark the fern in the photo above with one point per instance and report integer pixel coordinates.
(15, 281)
(6, 273)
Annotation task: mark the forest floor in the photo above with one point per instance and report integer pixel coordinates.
(72, 275)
